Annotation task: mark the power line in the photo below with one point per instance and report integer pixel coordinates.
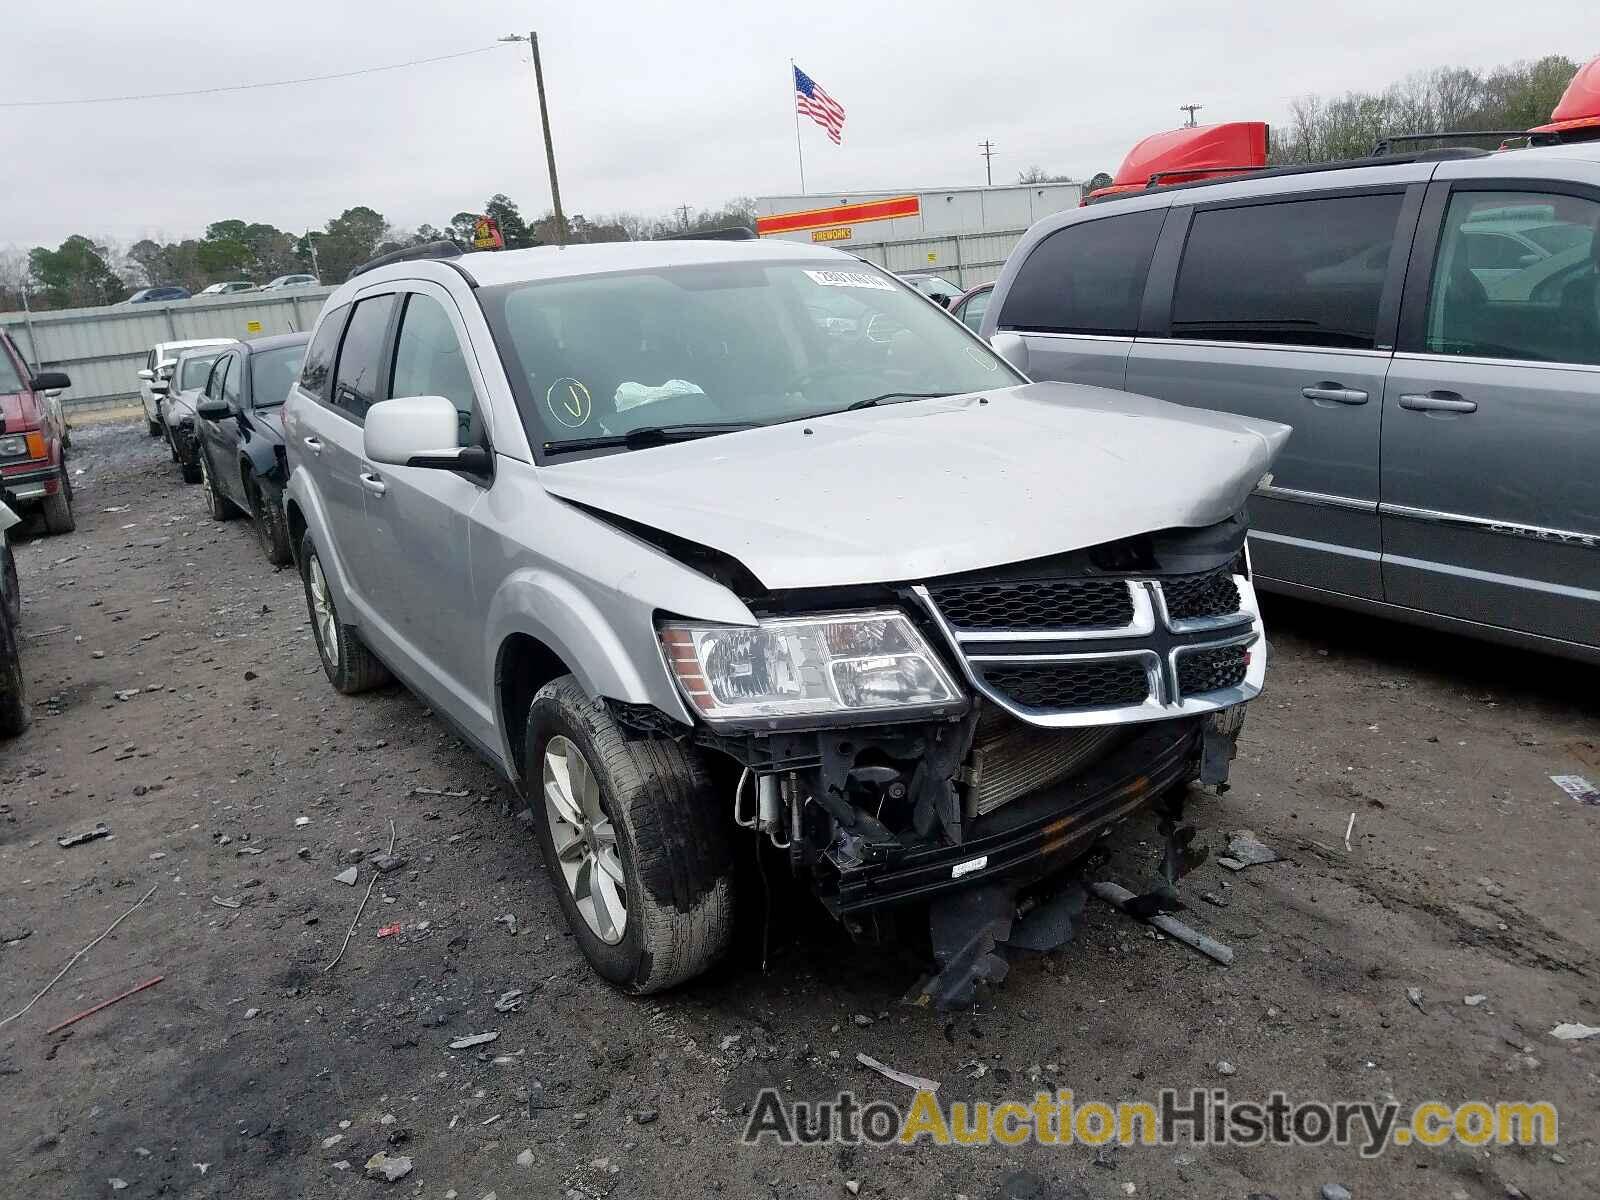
(1191, 109)
(246, 87)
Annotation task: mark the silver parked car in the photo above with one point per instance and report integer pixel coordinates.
(1431, 329)
(681, 551)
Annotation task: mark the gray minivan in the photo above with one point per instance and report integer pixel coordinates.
(1442, 378)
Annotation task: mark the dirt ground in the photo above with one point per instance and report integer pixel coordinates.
(237, 784)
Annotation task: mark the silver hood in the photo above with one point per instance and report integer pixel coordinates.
(927, 488)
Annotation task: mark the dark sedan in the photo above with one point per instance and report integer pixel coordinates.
(240, 432)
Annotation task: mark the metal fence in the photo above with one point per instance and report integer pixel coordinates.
(102, 349)
(966, 259)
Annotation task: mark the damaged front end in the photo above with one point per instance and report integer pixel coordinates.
(957, 742)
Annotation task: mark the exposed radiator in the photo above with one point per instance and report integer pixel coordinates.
(1011, 759)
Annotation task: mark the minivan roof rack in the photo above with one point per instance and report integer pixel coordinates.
(444, 248)
(729, 233)
(1385, 143)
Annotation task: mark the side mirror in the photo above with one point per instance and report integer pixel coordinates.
(49, 381)
(1012, 348)
(420, 431)
(146, 374)
(213, 410)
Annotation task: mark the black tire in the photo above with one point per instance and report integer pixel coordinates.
(190, 472)
(10, 586)
(172, 442)
(671, 835)
(220, 507)
(349, 665)
(13, 693)
(153, 428)
(57, 509)
(270, 521)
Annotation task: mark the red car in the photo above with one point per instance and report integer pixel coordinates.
(33, 462)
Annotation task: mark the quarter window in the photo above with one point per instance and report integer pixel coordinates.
(355, 382)
(1298, 272)
(1544, 308)
(318, 367)
(1086, 278)
(428, 362)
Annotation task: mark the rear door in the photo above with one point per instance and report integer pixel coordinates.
(1284, 307)
(1075, 297)
(1491, 426)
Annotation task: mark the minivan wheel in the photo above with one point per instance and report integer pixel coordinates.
(634, 840)
(57, 509)
(349, 665)
(13, 696)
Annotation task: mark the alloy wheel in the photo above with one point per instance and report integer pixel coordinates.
(585, 840)
(322, 611)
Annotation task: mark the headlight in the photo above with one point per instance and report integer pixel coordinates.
(844, 663)
(13, 447)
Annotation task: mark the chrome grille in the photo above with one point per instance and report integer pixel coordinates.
(1036, 604)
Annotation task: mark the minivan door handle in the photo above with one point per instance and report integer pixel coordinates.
(373, 483)
(1438, 402)
(314, 445)
(1333, 393)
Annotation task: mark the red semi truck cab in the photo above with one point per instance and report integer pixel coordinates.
(33, 463)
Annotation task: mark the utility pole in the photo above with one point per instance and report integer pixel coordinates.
(683, 215)
(549, 147)
(316, 267)
(987, 147)
(1191, 109)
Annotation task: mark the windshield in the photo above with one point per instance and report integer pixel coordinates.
(725, 343)
(271, 373)
(10, 381)
(195, 370)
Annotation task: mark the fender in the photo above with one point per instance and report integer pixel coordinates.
(303, 495)
(257, 458)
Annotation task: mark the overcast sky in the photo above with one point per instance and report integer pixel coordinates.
(653, 104)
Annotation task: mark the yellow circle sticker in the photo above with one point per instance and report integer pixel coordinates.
(569, 402)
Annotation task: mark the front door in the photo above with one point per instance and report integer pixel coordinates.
(1491, 423)
(1284, 309)
(419, 518)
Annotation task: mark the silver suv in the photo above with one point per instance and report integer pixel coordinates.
(1431, 329)
(680, 551)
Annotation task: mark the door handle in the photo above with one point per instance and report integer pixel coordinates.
(1333, 393)
(1438, 402)
(373, 483)
(314, 445)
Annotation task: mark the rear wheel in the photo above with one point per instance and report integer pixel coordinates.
(272, 524)
(349, 665)
(634, 841)
(13, 697)
(222, 509)
(57, 509)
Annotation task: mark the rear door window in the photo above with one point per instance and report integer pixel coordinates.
(1086, 278)
(1296, 272)
(355, 381)
(318, 367)
(1546, 309)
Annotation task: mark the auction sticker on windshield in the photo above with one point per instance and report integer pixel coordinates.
(860, 279)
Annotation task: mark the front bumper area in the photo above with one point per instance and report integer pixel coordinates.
(29, 484)
(1034, 835)
(185, 443)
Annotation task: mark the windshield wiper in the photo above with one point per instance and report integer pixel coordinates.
(872, 401)
(650, 435)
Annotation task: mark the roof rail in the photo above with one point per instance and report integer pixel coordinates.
(1384, 144)
(729, 233)
(444, 248)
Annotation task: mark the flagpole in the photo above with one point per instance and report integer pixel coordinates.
(799, 153)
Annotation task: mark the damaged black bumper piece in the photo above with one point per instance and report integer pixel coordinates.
(1035, 835)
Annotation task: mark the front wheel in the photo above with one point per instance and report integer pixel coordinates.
(349, 665)
(57, 509)
(13, 696)
(634, 840)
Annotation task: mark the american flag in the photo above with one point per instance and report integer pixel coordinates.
(815, 103)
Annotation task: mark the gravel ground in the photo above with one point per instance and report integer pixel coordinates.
(237, 784)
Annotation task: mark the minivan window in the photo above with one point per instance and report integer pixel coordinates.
(1085, 278)
(1297, 272)
(724, 344)
(428, 361)
(355, 381)
(318, 367)
(1545, 309)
